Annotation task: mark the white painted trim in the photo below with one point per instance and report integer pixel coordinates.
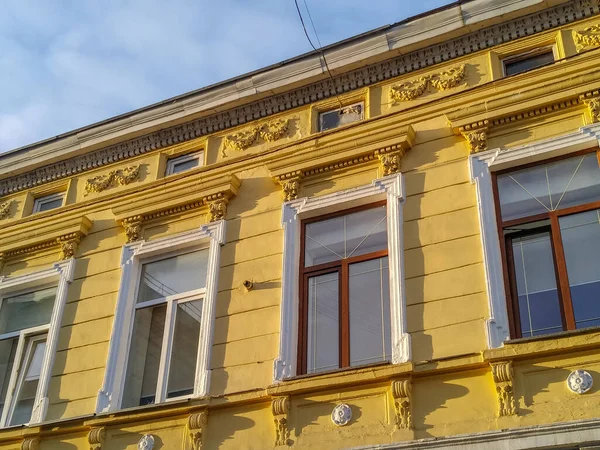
(481, 165)
(61, 272)
(213, 234)
(390, 188)
(565, 435)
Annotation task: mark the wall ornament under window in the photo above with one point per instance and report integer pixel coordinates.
(341, 415)
(5, 209)
(119, 177)
(441, 81)
(194, 429)
(280, 407)
(580, 381)
(96, 438)
(401, 392)
(589, 37)
(146, 442)
(502, 373)
(269, 132)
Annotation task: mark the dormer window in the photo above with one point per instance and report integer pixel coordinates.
(335, 118)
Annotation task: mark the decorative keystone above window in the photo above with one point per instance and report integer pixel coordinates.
(181, 196)
(442, 81)
(31, 308)
(119, 177)
(386, 144)
(389, 190)
(64, 233)
(269, 132)
(589, 37)
(165, 307)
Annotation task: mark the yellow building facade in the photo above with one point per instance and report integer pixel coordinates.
(397, 256)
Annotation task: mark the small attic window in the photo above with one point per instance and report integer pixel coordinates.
(48, 202)
(341, 116)
(528, 61)
(183, 163)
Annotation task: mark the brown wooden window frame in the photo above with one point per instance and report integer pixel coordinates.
(340, 266)
(560, 266)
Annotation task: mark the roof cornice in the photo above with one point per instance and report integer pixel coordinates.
(88, 148)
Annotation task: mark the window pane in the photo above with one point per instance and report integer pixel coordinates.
(370, 338)
(184, 354)
(8, 349)
(581, 242)
(536, 285)
(29, 379)
(26, 310)
(548, 187)
(323, 323)
(528, 63)
(174, 275)
(345, 236)
(184, 165)
(339, 117)
(48, 205)
(144, 356)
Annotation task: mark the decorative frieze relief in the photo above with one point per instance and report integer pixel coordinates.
(5, 209)
(502, 372)
(442, 81)
(518, 28)
(268, 132)
(118, 177)
(280, 407)
(194, 430)
(401, 392)
(96, 438)
(589, 37)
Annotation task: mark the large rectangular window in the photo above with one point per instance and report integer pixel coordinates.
(549, 217)
(345, 301)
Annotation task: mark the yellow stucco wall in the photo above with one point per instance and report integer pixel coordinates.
(453, 391)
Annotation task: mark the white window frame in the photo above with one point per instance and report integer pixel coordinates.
(40, 201)
(210, 236)
(481, 165)
(322, 113)
(172, 162)
(59, 275)
(390, 188)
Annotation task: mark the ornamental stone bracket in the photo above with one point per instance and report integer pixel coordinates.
(5, 209)
(162, 203)
(386, 143)
(194, 430)
(441, 81)
(280, 407)
(30, 443)
(65, 233)
(592, 101)
(588, 37)
(502, 373)
(119, 177)
(475, 136)
(96, 438)
(401, 392)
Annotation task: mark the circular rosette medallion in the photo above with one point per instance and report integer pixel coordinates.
(580, 381)
(341, 415)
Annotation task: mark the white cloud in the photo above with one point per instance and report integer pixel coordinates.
(66, 64)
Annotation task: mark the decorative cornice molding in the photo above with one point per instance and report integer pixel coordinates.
(442, 81)
(118, 177)
(96, 438)
(5, 209)
(401, 392)
(425, 57)
(280, 407)
(589, 37)
(502, 373)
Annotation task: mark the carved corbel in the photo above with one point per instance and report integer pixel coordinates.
(217, 207)
(2, 260)
(96, 438)
(390, 161)
(68, 245)
(502, 372)
(476, 139)
(194, 429)
(593, 105)
(589, 37)
(401, 391)
(280, 407)
(30, 443)
(133, 228)
(290, 184)
(5, 209)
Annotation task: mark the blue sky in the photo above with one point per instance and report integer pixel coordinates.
(68, 63)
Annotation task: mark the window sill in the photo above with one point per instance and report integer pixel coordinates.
(339, 378)
(574, 340)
